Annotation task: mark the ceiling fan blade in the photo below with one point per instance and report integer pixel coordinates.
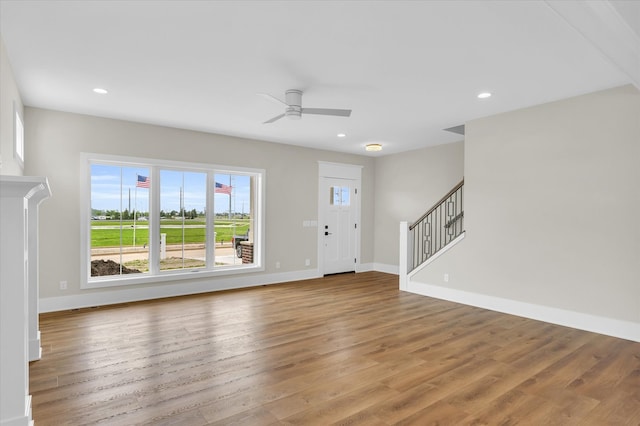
(276, 118)
(272, 98)
(327, 111)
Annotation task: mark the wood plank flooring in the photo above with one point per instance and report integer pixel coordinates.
(348, 349)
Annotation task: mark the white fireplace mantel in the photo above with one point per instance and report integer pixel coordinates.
(19, 200)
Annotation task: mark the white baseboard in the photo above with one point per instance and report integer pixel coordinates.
(364, 267)
(21, 420)
(124, 295)
(35, 348)
(389, 269)
(602, 325)
(378, 267)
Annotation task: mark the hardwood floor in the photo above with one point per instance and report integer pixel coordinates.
(347, 349)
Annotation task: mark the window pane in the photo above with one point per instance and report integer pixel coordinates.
(182, 219)
(119, 220)
(340, 195)
(154, 217)
(344, 196)
(234, 213)
(335, 195)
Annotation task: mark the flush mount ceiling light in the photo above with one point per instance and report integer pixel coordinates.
(100, 91)
(341, 135)
(373, 147)
(484, 95)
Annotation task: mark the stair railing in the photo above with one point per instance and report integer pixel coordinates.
(440, 225)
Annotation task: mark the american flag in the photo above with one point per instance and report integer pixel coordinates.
(143, 182)
(221, 188)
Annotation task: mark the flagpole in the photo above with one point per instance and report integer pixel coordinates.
(121, 219)
(230, 201)
(135, 207)
(182, 212)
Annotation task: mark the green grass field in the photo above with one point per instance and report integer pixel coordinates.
(107, 233)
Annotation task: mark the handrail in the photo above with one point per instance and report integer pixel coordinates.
(435, 206)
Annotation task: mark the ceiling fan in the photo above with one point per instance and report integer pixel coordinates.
(294, 110)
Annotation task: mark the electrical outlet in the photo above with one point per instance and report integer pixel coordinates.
(63, 285)
(277, 265)
(307, 262)
(446, 278)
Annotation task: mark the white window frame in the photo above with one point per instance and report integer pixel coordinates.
(18, 136)
(155, 276)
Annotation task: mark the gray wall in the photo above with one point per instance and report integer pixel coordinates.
(407, 185)
(552, 201)
(56, 139)
(8, 95)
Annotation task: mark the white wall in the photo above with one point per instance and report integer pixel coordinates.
(552, 201)
(8, 96)
(57, 138)
(407, 185)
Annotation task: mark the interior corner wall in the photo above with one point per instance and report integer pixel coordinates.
(552, 201)
(9, 95)
(57, 139)
(407, 185)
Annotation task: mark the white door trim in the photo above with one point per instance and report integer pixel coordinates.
(341, 171)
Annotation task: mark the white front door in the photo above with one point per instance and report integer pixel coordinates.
(338, 227)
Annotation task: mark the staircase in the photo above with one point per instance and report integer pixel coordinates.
(437, 230)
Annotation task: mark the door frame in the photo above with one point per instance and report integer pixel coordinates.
(340, 171)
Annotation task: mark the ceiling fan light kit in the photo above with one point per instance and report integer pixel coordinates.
(294, 110)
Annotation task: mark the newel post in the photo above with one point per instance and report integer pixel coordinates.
(403, 267)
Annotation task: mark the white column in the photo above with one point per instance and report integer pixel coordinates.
(35, 349)
(15, 193)
(403, 260)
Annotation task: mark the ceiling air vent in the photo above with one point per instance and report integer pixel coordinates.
(456, 129)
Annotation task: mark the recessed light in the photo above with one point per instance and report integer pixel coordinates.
(373, 147)
(484, 95)
(341, 135)
(101, 91)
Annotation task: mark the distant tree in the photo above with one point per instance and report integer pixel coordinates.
(113, 214)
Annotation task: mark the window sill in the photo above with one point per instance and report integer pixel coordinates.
(169, 276)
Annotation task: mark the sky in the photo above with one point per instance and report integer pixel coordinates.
(114, 188)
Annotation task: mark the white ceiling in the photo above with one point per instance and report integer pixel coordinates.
(406, 69)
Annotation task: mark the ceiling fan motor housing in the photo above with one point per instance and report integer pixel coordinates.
(294, 108)
(293, 98)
